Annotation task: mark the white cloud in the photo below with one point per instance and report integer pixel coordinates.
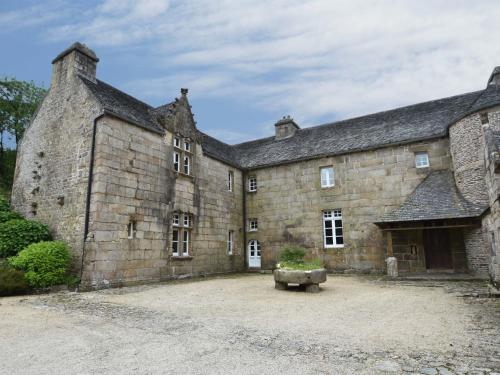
(312, 59)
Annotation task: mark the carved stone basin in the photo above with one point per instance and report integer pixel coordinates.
(309, 279)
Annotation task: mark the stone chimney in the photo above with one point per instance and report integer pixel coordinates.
(78, 59)
(285, 128)
(495, 77)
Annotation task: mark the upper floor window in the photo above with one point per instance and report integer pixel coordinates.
(327, 177)
(421, 160)
(177, 142)
(176, 162)
(187, 221)
(185, 242)
(252, 184)
(333, 231)
(230, 243)
(187, 146)
(132, 229)
(187, 165)
(230, 178)
(175, 220)
(253, 225)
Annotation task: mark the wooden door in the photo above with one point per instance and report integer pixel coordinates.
(437, 249)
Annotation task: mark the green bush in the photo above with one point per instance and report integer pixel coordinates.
(8, 215)
(15, 235)
(4, 205)
(306, 266)
(292, 253)
(44, 263)
(12, 281)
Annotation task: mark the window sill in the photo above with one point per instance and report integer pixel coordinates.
(327, 187)
(181, 257)
(334, 247)
(177, 174)
(252, 191)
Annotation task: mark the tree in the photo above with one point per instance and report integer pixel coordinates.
(18, 103)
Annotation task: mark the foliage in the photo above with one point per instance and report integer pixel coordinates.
(12, 281)
(292, 253)
(15, 235)
(7, 168)
(305, 266)
(4, 205)
(8, 215)
(44, 263)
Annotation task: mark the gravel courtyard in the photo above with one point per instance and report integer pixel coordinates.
(242, 325)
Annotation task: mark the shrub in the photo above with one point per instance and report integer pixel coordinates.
(12, 281)
(16, 234)
(306, 266)
(44, 263)
(8, 215)
(4, 205)
(292, 253)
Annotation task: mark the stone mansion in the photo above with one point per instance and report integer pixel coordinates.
(140, 194)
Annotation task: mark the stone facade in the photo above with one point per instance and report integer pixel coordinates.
(140, 194)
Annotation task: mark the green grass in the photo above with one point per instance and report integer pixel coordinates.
(306, 266)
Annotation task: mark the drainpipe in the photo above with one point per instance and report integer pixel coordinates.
(89, 191)
(245, 247)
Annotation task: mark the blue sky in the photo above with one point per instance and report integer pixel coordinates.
(248, 63)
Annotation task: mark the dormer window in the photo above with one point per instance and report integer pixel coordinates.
(187, 146)
(177, 142)
(421, 160)
(182, 154)
(175, 220)
(187, 221)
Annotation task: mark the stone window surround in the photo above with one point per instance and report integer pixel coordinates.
(183, 154)
(230, 181)
(181, 235)
(132, 229)
(332, 215)
(327, 181)
(252, 184)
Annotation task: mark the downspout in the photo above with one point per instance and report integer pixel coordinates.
(245, 247)
(89, 191)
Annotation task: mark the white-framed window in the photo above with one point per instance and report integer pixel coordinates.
(252, 184)
(177, 142)
(333, 231)
(187, 165)
(175, 220)
(175, 242)
(187, 146)
(187, 221)
(230, 243)
(253, 225)
(185, 242)
(176, 162)
(131, 229)
(254, 248)
(230, 178)
(327, 176)
(421, 160)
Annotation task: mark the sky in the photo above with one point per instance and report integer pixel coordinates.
(249, 63)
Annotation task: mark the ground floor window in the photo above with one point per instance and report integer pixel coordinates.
(181, 233)
(333, 228)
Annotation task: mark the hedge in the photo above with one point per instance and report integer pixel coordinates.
(16, 234)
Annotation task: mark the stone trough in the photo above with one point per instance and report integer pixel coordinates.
(309, 279)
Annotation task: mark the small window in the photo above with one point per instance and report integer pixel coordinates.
(176, 162)
(230, 178)
(327, 177)
(187, 146)
(252, 184)
(253, 225)
(132, 229)
(333, 229)
(177, 142)
(421, 160)
(187, 166)
(175, 242)
(185, 242)
(175, 220)
(187, 221)
(230, 242)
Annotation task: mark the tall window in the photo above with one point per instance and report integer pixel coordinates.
(187, 165)
(332, 228)
(181, 233)
(187, 146)
(421, 160)
(175, 242)
(185, 242)
(230, 177)
(327, 177)
(132, 229)
(253, 225)
(176, 162)
(252, 184)
(230, 244)
(177, 142)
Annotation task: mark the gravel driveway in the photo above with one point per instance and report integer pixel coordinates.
(242, 325)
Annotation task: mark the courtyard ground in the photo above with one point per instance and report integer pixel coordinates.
(242, 325)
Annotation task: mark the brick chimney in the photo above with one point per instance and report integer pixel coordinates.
(285, 128)
(78, 59)
(495, 77)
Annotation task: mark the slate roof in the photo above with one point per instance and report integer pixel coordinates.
(398, 126)
(437, 197)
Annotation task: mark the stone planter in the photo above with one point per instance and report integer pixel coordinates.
(309, 279)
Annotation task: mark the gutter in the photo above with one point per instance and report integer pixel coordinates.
(89, 189)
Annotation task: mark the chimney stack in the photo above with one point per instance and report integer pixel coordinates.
(495, 77)
(78, 59)
(285, 128)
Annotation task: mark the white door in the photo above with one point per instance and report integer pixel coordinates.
(254, 254)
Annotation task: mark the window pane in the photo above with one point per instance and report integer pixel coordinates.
(329, 240)
(340, 240)
(328, 223)
(338, 232)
